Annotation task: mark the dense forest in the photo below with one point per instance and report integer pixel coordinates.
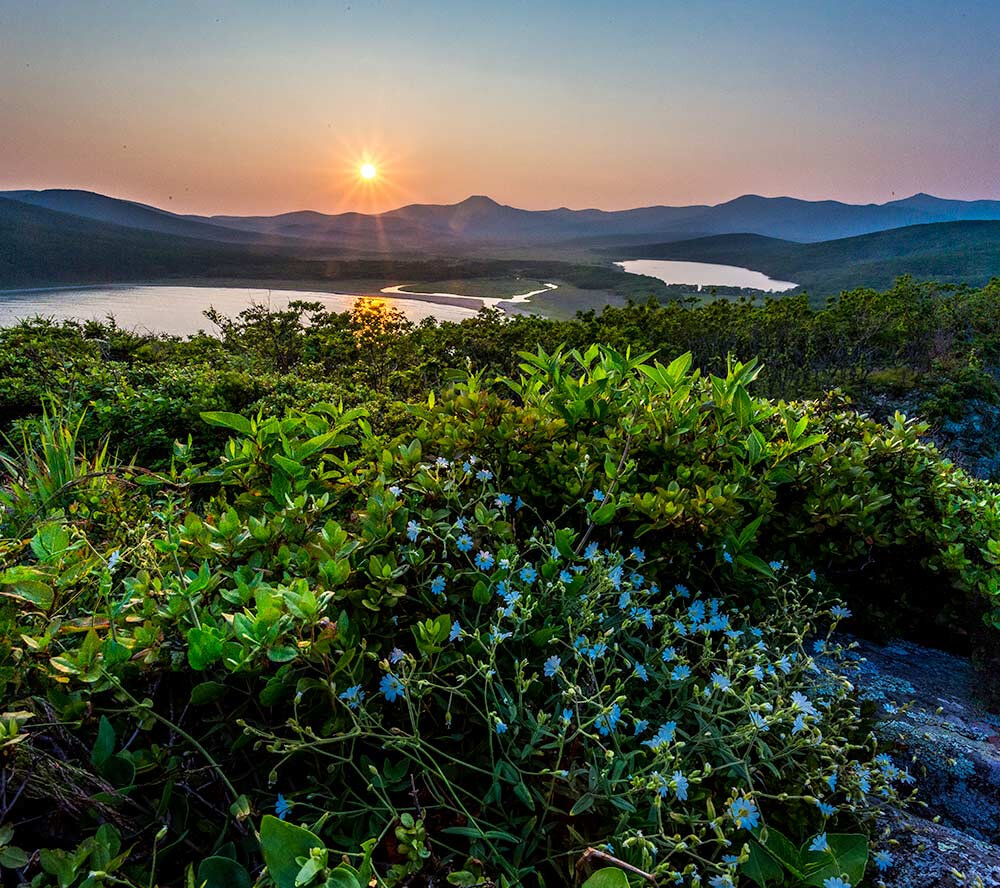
(338, 600)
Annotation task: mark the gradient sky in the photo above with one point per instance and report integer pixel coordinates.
(263, 107)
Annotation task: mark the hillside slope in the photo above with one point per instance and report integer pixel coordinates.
(951, 252)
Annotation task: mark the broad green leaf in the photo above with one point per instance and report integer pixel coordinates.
(847, 854)
(762, 869)
(608, 877)
(221, 872)
(228, 421)
(281, 843)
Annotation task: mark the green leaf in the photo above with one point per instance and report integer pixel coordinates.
(342, 877)
(13, 858)
(221, 872)
(207, 692)
(607, 877)
(24, 584)
(847, 854)
(281, 843)
(584, 803)
(104, 745)
(762, 869)
(228, 421)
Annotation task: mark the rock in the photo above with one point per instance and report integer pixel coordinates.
(933, 722)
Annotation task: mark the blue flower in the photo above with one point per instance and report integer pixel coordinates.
(464, 543)
(680, 785)
(113, 560)
(825, 809)
(528, 575)
(551, 666)
(395, 490)
(776, 565)
(882, 860)
(395, 655)
(501, 727)
(669, 654)
(412, 530)
(682, 590)
(565, 576)
(624, 599)
(391, 687)
(353, 696)
(484, 475)
(663, 736)
(841, 613)
(831, 781)
(812, 575)
(456, 631)
(757, 720)
(608, 723)
(819, 843)
(641, 672)
(282, 806)
(720, 681)
(799, 724)
(590, 553)
(836, 882)
(680, 673)
(441, 462)
(727, 557)
(519, 503)
(503, 499)
(720, 882)
(638, 554)
(598, 496)
(567, 715)
(802, 703)
(744, 812)
(437, 585)
(640, 726)
(484, 560)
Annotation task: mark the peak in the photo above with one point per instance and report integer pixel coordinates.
(478, 200)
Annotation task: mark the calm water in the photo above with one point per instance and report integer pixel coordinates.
(178, 310)
(704, 274)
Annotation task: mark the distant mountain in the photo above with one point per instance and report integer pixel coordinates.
(479, 223)
(41, 247)
(949, 252)
(129, 214)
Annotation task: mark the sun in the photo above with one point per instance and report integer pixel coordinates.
(368, 171)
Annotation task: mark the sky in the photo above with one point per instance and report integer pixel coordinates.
(253, 107)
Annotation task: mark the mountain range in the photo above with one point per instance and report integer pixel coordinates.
(482, 222)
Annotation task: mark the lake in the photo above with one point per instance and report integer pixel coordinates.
(704, 274)
(178, 310)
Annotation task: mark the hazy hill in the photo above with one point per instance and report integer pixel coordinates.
(41, 247)
(479, 222)
(956, 252)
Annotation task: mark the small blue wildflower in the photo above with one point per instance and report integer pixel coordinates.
(802, 703)
(519, 503)
(680, 785)
(812, 575)
(831, 781)
(682, 590)
(819, 646)
(825, 809)
(720, 681)
(437, 585)
(624, 599)
(836, 882)
(484, 475)
(395, 655)
(819, 843)
(640, 726)
(882, 860)
(841, 613)
(551, 666)
(720, 882)
(501, 728)
(528, 575)
(744, 813)
(799, 724)
(565, 576)
(727, 557)
(464, 543)
(353, 696)
(598, 496)
(395, 490)
(590, 553)
(503, 500)
(567, 715)
(664, 735)
(638, 554)
(412, 530)
(608, 723)
(669, 654)
(641, 672)
(391, 687)
(484, 560)
(680, 673)
(776, 565)
(441, 462)
(113, 560)
(456, 631)
(282, 806)
(757, 720)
